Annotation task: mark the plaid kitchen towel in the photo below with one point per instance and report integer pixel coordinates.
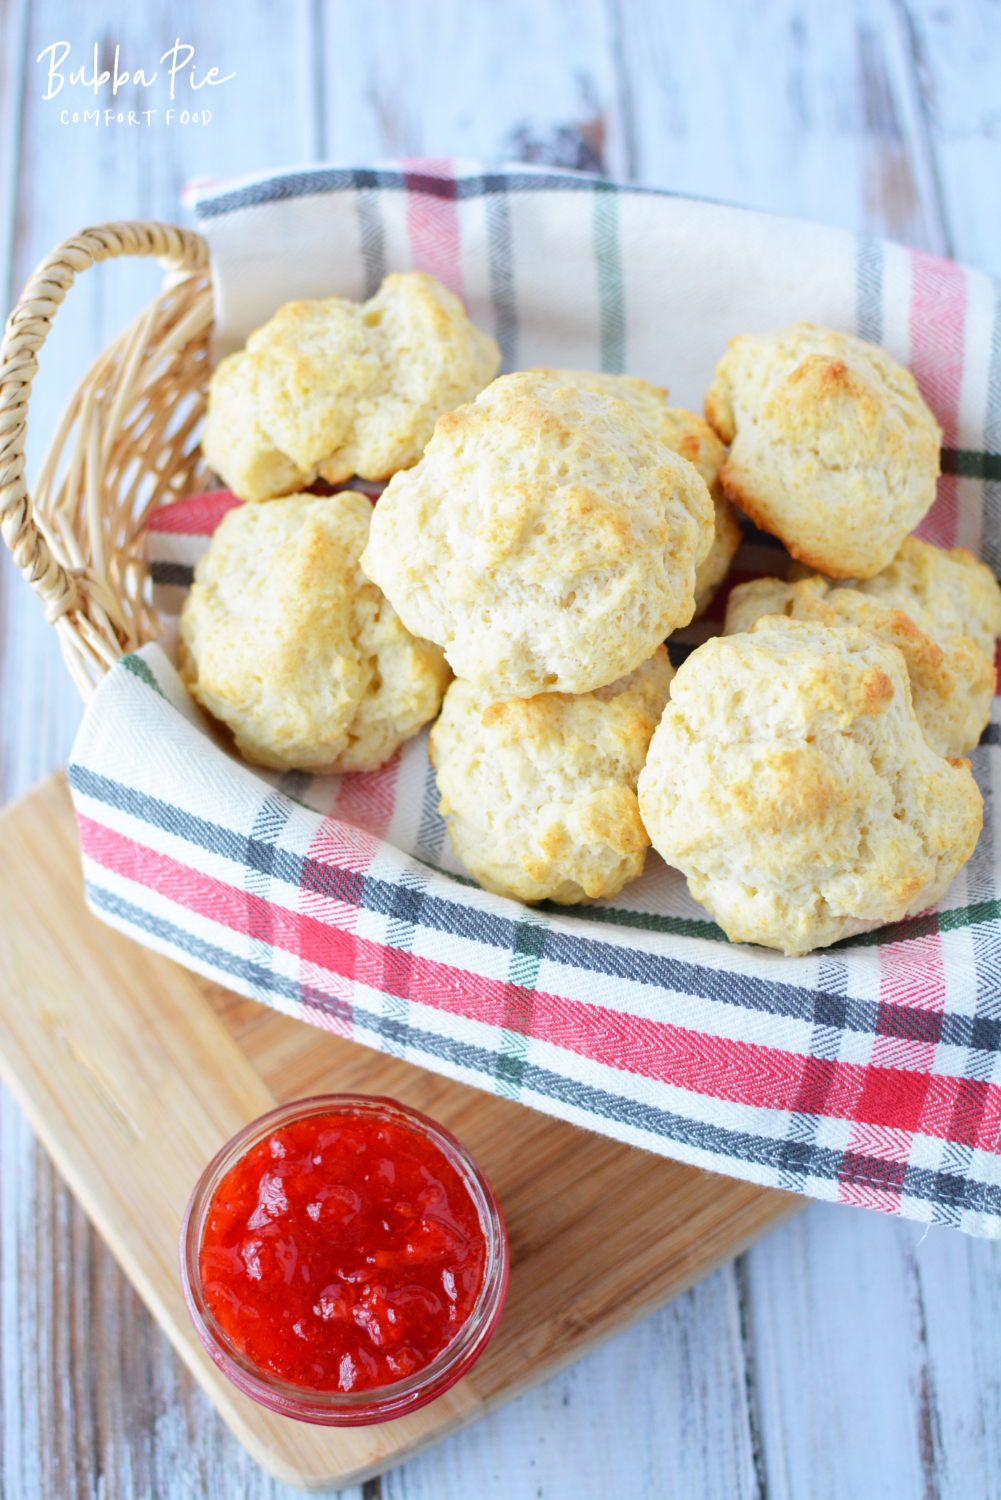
(867, 1073)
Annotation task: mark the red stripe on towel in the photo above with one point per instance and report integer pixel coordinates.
(433, 222)
(195, 515)
(898, 1101)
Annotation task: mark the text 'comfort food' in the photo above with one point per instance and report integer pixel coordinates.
(546, 540)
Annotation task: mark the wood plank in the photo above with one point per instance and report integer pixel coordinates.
(134, 1073)
(955, 1314)
(28, 652)
(14, 30)
(661, 1411)
(815, 1381)
(792, 108)
(954, 47)
(520, 81)
(114, 171)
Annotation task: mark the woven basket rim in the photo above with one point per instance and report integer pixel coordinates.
(130, 430)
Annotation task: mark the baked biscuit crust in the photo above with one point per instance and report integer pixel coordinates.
(947, 593)
(691, 437)
(942, 609)
(235, 444)
(684, 431)
(287, 642)
(789, 780)
(648, 401)
(952, 685)
(546, 539)
(695, 440)
(541, 792)
(832, 447)
(336, 388)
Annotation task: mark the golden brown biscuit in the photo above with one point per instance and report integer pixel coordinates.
(311, 366)
(951, 686)
(940, 608)
(236, 446)
(947, 593)
(714, 567)
(695, 440)
(648, 401)
(287, 642)
(541, 792)
(789, 780)
(546, 540)
(692, 437)
(832, 447)
(337, 387)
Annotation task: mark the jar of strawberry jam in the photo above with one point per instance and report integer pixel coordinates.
(344, 1260)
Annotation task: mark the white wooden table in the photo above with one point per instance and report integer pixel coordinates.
(848, 1355)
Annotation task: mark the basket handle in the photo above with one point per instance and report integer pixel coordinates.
(26, 331)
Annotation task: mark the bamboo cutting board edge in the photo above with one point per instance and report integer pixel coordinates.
(76, 1114)
(159, 1024)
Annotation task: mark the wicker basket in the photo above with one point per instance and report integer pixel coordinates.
(129, 434)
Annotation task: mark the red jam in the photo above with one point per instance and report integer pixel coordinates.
(342, 1252)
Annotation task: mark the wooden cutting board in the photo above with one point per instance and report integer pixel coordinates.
(134, 1072)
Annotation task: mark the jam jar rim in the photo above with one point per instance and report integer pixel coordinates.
(376, 1403)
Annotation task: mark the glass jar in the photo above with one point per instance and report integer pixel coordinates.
(349, 1408)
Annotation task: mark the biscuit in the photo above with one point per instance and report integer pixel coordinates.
(713, 569)
(695, 440)
(546, 540)
(789, 780)
(337, 388)
(937, 607)
(236, 446)
(947, 593)
(288, 643)
(832, 447)
(649, 402)
(541, 792)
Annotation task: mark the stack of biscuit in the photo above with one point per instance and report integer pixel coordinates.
(539, 537)
(807, 776)
(283, 637)
(548, 541)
